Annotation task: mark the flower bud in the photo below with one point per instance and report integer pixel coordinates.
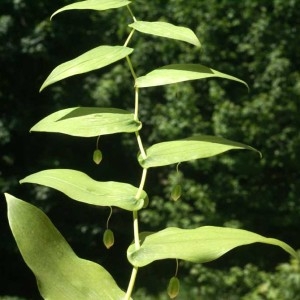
(176, 192)
(108, 238)
(173, 287)
(97, 156)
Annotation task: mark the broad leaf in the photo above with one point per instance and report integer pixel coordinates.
(198, 245)
(94, 5)
(81, 187)
(167, 30)
(60, 273)
(195, 147)
(88, 121)
(91, 60)
(179, 73)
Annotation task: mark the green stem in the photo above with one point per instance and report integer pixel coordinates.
(139, 140)
(110, 214)
(177, 265)
(131, 68)
(136, 230)
(136, 236)
(144, 174)
(127, 57)
(142, 184)
(97, 143)
(131, 13)
(129, 37)
(135, 212)
(137, 246)
(131, 283)
(136, 104)
(136, 111)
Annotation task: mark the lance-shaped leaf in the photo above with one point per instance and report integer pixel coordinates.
(179, 73)
(195, 147)
(198, 245)
(94, 5)
(91, 60)
(60, 273)
(80, 187)
(88, 122)
(167, 30)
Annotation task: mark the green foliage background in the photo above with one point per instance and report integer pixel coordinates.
(257, 41)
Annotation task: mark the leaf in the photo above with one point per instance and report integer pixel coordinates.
(195, 147)
(198, 245)
(81, 187)
(93, 4)
(167, 30)
(179, 73)
(60, 273)
(96, 58)
(88, 122)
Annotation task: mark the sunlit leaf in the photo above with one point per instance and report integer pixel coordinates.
(91, 60)
(198, 245)
(94, 5)
(80, 187)
(60, 273)
(167, 30)
(195, 147)
(88, 121)
(179, 73)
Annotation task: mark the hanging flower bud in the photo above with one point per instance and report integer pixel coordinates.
(108, 238)
(176, 192)
(173, 287)
(97, 156)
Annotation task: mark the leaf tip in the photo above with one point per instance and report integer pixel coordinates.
(8, 196)
(54, 14)
(22, 180)
(44, 85)
(198, 44)
(9, 200)
(248, 88)
(51, 17)
(41, 88)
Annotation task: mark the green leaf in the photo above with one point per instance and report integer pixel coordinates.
(96, 58)
(179, 73)
(167, 30)
(198, 245)
(81, 187)
(195, 147)
(88, 122)
(60, 273)
(94, 5)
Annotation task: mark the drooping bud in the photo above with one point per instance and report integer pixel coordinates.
(173, 287)
(108, 238)
(97, 156)
(176, 192)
